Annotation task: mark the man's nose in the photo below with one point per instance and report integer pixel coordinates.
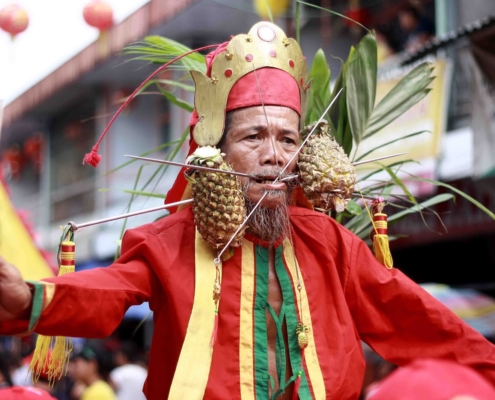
(271, 153)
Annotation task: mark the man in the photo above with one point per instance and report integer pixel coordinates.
(85, 369)
(128, 377)
(297, 297)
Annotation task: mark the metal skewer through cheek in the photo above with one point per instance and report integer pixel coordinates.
(217, 260)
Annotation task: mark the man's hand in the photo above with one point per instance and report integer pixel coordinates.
(15, 295)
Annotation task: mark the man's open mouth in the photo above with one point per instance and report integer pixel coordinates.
(266, 179)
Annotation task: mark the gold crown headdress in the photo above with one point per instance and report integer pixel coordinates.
(266, 45)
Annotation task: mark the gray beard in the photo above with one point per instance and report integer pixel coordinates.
(269, 224)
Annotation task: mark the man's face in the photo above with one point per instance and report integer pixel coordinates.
(262, 141)
(81, 369)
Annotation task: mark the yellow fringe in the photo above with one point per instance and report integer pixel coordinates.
(51, 354)
(382, 250)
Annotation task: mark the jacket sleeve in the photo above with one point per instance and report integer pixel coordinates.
(402, 322)
(90, 303)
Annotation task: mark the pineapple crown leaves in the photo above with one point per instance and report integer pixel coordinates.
(206, 155)
(322, 128)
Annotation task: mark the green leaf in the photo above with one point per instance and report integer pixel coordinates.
(459, 192)
(178, 102)
(187, 88)
(401, 184)
(361, 86)
(408, 91)
(269, 11)
(339, 84)
(441, 198)
(390, 142)
(160, 50)
(162, 146)
(378, 170)
(147, 194)
(353, 208)
(320, 77)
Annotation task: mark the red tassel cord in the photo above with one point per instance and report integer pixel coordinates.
(93, 158)
(297, 384)
(215, 330)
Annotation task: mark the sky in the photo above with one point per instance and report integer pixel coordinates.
(56, 32)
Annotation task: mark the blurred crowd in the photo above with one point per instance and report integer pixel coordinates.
(98, 370)
(406, 34)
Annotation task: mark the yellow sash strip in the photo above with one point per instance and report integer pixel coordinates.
(193, 368)
(310, 355)
(246, 345)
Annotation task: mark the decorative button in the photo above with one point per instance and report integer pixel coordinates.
(273, 53)
(228, 73)
(214, 80)
(291, 63)
(229, 55)
(266, 33)
(249, 57)
(285, 42)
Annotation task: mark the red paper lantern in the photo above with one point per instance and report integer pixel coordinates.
(98, 14)
(13, 19)
(33, 151)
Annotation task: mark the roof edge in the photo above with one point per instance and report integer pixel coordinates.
(134, 27)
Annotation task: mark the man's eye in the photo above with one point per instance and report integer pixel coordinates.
(252, 137)
(289, 140)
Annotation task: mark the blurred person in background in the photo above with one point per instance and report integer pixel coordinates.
(384, 48)
(5, 373)
(128, 377)
(433, 379)
(85, 369)
(417, 28)
(21, 357)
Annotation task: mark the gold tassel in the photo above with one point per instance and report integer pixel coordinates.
(379, 234)
(51, 354)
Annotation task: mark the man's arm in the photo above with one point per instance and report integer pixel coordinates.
(401, 321)
(83, 304)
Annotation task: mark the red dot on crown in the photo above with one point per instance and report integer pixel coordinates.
(228, 73)
(249, 57)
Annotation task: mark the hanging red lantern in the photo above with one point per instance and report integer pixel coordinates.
(33, 151)
(358, 14)
(13, 19)
(98, 14)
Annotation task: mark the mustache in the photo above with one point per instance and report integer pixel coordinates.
(272, 173)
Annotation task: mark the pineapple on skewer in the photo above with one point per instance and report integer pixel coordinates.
(327, 175)
(218, 201)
